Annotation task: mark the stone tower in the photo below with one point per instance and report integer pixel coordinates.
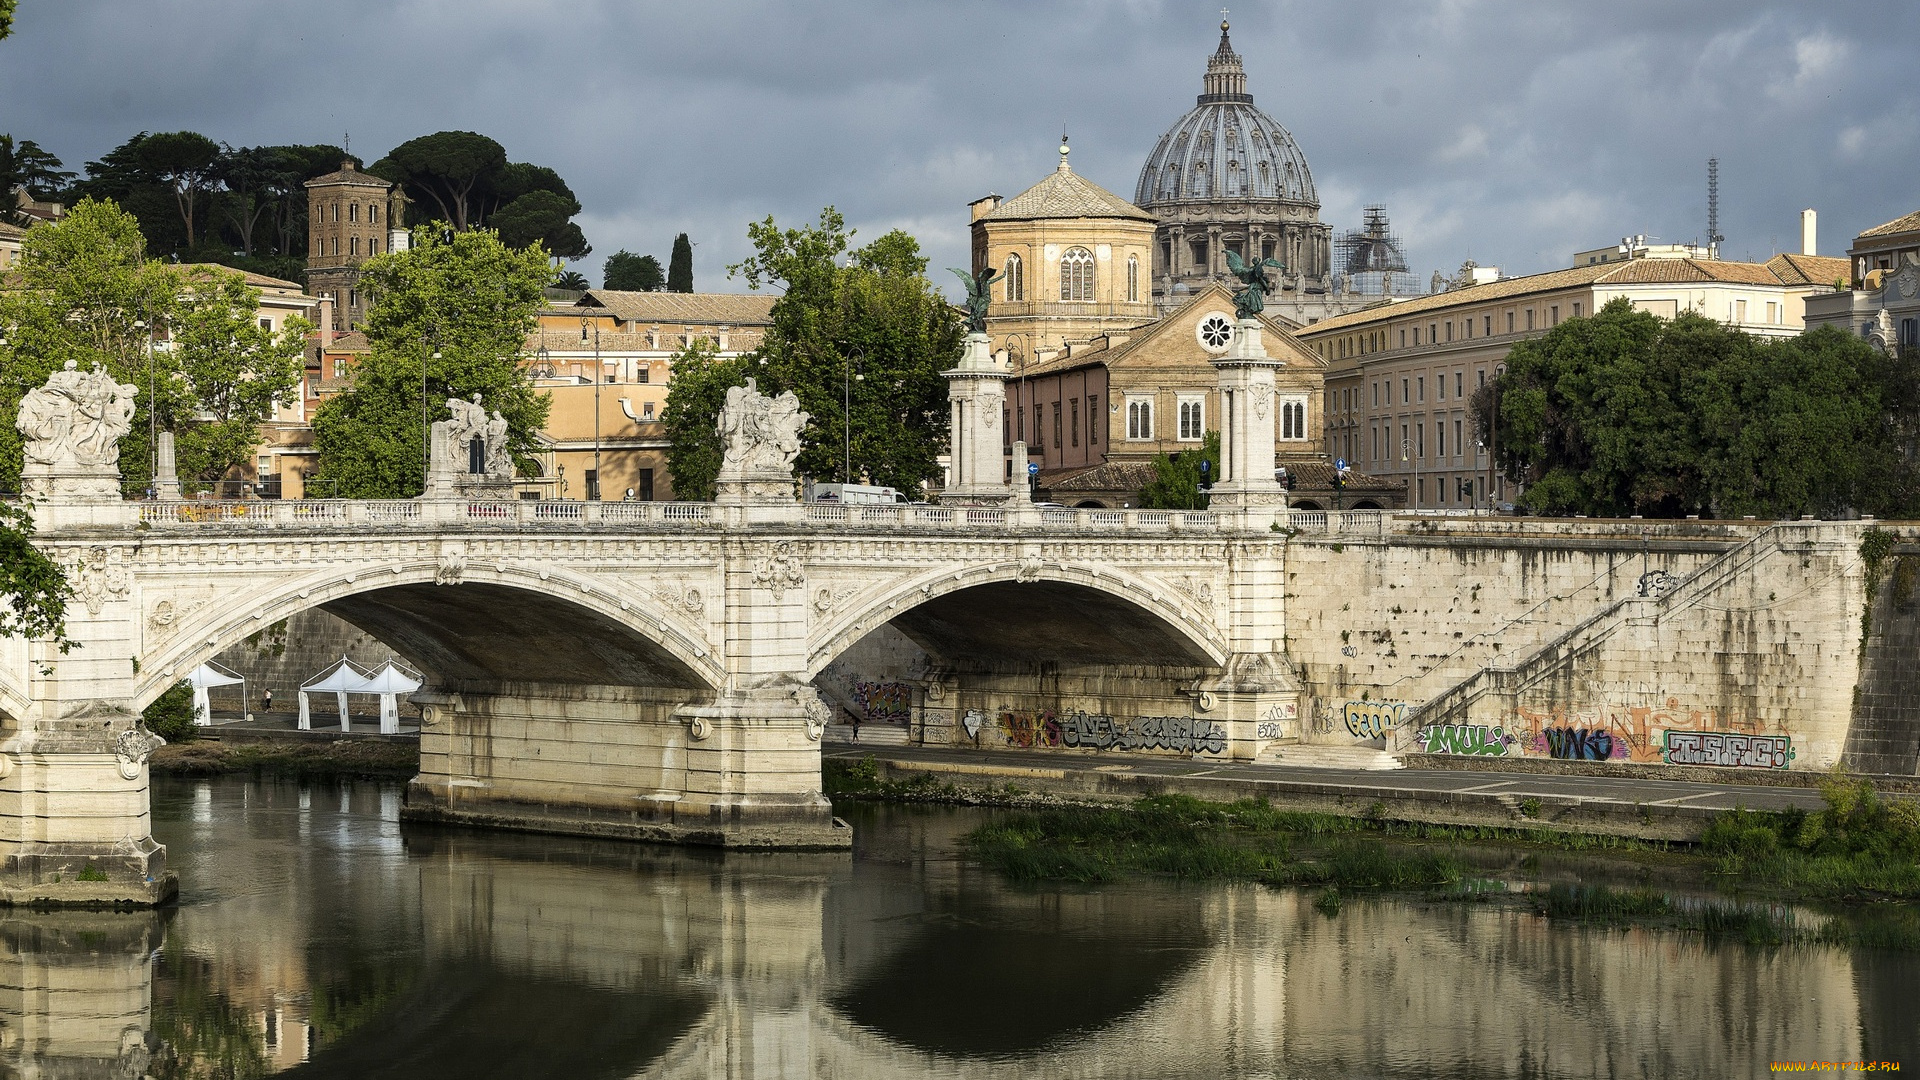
(348, 215)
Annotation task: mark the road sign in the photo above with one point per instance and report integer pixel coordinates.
(1033, 468)
(1340, 464)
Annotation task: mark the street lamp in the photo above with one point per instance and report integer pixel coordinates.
(428, 341)
(847, 379)
(599, 376)
(1493, 451)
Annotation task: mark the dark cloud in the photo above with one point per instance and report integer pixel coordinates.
(1513, 133)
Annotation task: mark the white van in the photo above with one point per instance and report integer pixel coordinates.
(854, 494)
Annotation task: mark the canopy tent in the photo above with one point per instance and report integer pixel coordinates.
(207, 675)
(389, 680)
(339, 680)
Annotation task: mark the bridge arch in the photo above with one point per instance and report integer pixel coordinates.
(479, 622)
(1115, 616)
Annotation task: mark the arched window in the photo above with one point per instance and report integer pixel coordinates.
(1076, 274)
(1133, 279)
(353, 211)
(1199, 180)
(1173, 180)
(1016, 278)
(1293, 420)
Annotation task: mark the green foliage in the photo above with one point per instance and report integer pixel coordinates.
(680, 265)
(6, 19)
(1859, 845)
(628, 272)
(1876, 544)
(861, 345)
(26, 165)
(1176, 477)
(459, 304)
(698, 388)
(33, 589)
(225, 372)
(572, 281)
(171, 714)
(453, 171)
(201, 1031)
(1626, 413)
(544, 218)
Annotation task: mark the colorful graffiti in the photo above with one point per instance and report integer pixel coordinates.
(1372, 719)
(1463, 739)
(886, 702)
(1579, 744)
(1030, 729)
(1634, 733)
(1097, 731)
(1728, 750)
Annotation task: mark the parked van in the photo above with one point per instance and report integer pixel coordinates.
(854, 494)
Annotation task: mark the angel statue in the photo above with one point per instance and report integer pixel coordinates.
(1248, 301)
(979, 293)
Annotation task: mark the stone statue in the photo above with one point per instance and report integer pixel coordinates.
(76, 419)
(468, 454)
(979, 294)
(762, 433)
(1251, 299)
(499, 461)
(454, 436)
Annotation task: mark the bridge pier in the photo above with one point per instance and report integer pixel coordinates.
(739, 770)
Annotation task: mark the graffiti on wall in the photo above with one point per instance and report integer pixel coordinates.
(1473, 740)
(1579, 744)
(1728, 750)
(1274, 722)
(1631, 733)
(1372, 719)
(885, 702)
(1098, 731)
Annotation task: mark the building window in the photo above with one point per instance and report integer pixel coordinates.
(1509, 322)
(646, 485)
(336, 212)
(1487, 330)
(1073, 429)
(1739, 311)
(1403, 337)
(1459, 384)
(1420, 439)
(1133, 280)
(1293, 420)
(1433, 333)
(1420, 384)
(1440, 386)
(1576, 309)
(1376, 392)
(1193, 426)
(373, 213)
(1056, 425)
(353, 211)
(266, 324)
(646, 410)
(1406, 394)
(1016, 282)
(373, 245)
(1449, 329)
(1773, 312)
(1553, 315)
(1076, 275)
(1416, 336)
(1139, 418)
(1459, 445)
(1440, 437)
(1529, 318)
(353, 246)
(1093, 419)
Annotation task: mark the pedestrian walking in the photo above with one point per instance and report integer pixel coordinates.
(266, 701)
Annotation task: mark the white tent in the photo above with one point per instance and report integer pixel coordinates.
(340, 680)
(211, 675)
(390, 680)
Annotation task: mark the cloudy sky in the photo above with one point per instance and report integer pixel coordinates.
(1512, 133)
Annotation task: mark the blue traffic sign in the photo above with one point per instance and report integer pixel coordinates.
(1340, 463)
(1033, 468)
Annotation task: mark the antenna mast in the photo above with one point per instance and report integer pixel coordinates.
(1713, 208)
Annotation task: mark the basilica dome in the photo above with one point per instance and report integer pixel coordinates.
(1225, 148)
(1228, 181)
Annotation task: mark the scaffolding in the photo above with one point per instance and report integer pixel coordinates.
(1371, 261)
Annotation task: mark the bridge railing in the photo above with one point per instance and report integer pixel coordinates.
(443, 514)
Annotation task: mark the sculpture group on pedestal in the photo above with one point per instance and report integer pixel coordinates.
(73, 425)
(468, 454)
(762, 436)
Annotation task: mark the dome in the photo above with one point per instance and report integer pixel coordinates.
(1225, 148)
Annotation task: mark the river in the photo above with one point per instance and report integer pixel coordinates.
(318, 937)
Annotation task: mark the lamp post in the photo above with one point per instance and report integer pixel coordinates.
(1493, 451)
(847, 379)
(153, 426)
(599, 376)
(429, 351)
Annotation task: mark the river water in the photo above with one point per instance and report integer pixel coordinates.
(318, 937)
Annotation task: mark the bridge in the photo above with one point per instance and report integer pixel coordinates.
(648, 670)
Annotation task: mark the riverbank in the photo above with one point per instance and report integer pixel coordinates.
(264, 754)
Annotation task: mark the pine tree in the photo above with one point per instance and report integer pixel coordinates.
(680, 266)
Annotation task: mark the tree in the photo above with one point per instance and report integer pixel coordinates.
(1177, 477)
(90, 295)
(459, 304)
(699, 387)
(27, 165)
(456, 170)
(252, 176)
(188, 163)
(680, 265)
(862, 346)
(162, 180)
(572, 281)
(542, 217)
(226, 370)
(33, 589)
(628, 272)
(6, 19)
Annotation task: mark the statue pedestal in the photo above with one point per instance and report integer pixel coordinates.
(977, 400)
(754, 488)
(1249, 419)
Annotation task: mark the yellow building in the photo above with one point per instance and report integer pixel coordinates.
(1075, 261)
(605, 361)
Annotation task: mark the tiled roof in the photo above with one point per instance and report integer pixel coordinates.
(1794, 269)
(10, 231)
(1632, 272)
(258, 281)
(352, 341)
(1106, 476)
(1316, 474)
(350, 176)
(1066, 194)
(715, 309)
(1897, 225)
(1278, 339)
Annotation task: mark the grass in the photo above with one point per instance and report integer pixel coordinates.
(1861, 847)
(347, 758)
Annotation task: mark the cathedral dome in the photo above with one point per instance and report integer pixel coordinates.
(1225, 148)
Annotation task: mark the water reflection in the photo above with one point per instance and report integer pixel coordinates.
(316, 938)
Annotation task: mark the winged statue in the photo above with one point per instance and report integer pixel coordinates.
(979, 293)
(1253, 297)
